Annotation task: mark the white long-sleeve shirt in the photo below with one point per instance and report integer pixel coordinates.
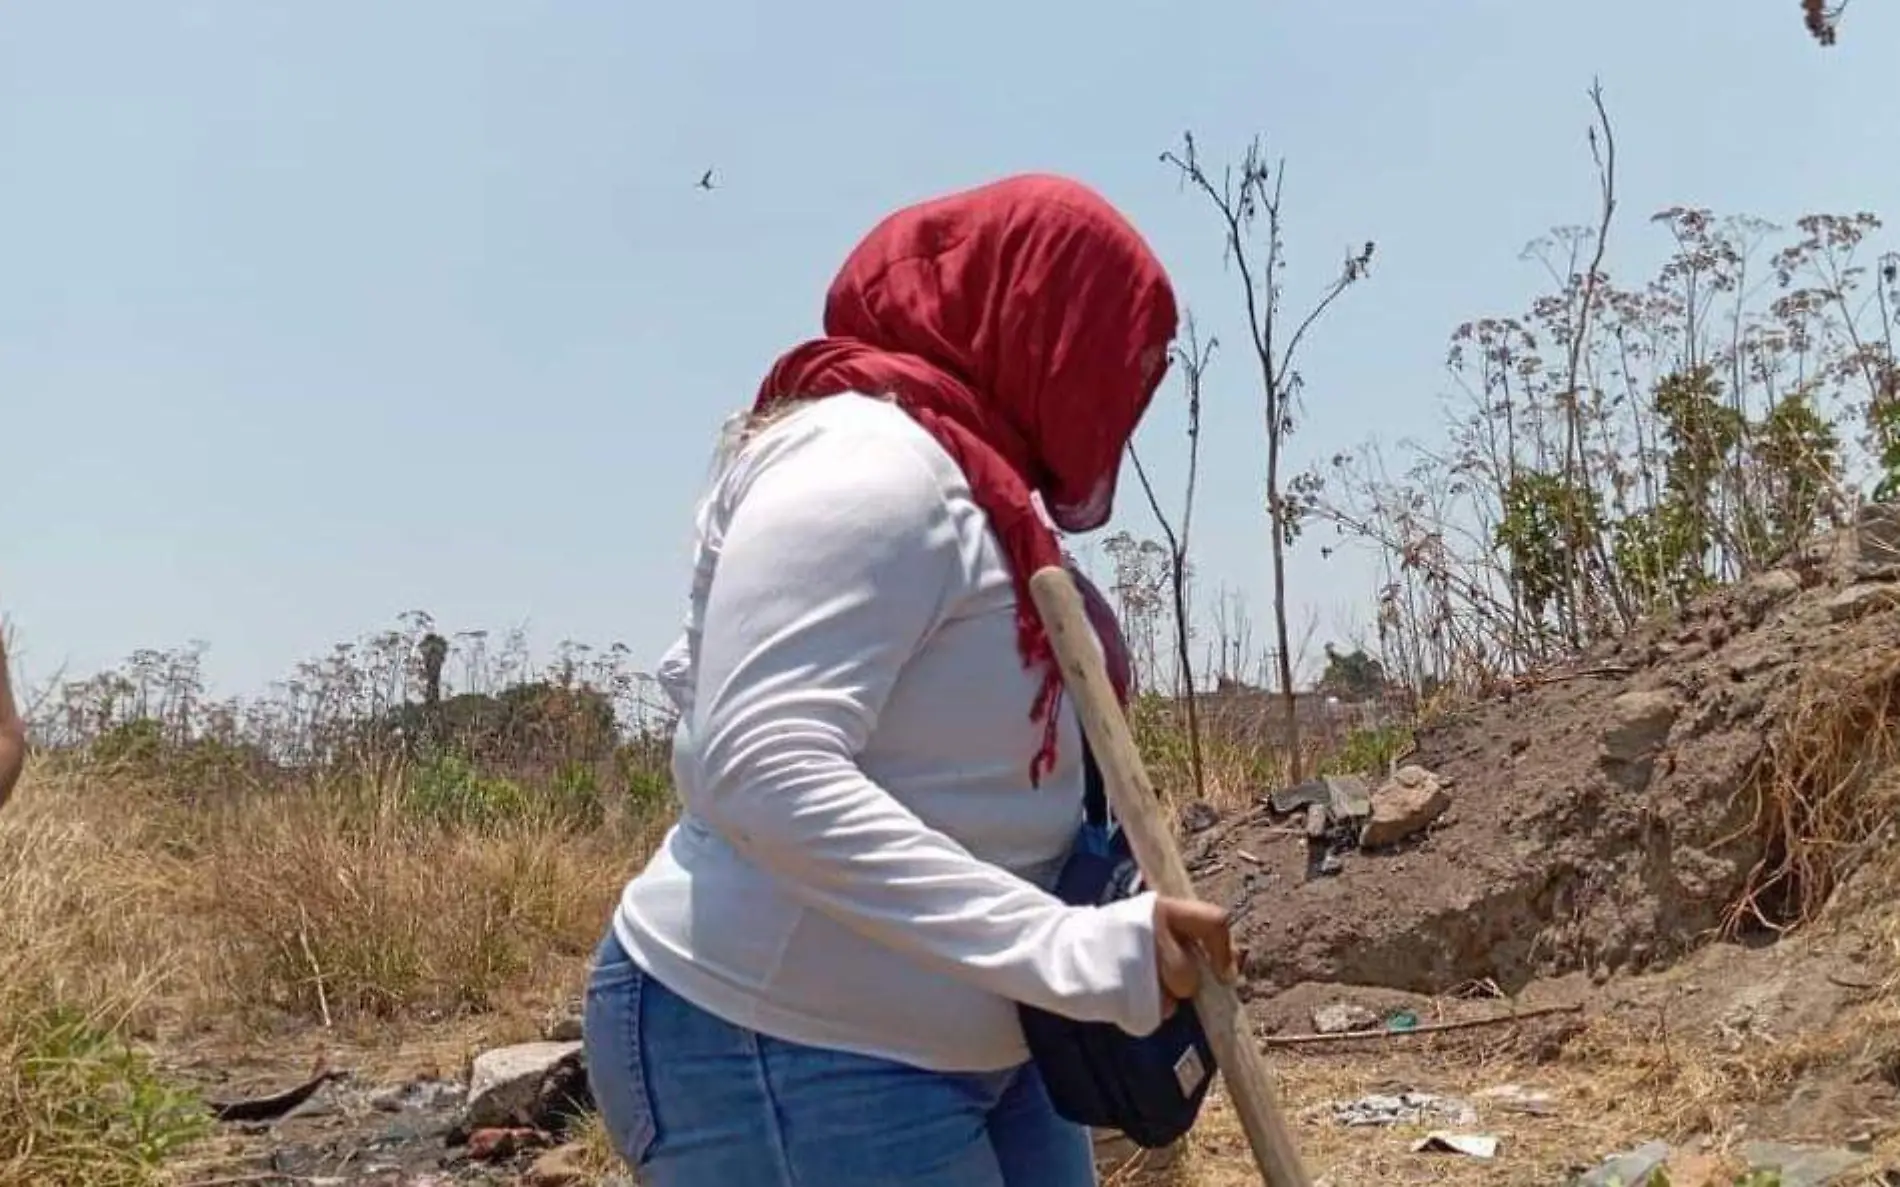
(860, 862)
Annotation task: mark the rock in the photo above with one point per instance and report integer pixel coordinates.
(563, 1166)
(1857, 600)
(1340, 1017)
(1198, 816)
(1402, 807)
(506, 1086)
(1348, 796)
(566, 1029)
(1639, 723)
(1764, 591)
(1802, 1166)
(1878, 534)
(1638, 1168)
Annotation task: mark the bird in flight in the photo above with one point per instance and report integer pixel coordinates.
(705, 180)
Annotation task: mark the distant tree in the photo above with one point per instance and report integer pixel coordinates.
(1352, 675)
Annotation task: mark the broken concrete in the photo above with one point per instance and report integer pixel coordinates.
(509, 1086)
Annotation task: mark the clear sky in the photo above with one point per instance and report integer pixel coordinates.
(311, 314)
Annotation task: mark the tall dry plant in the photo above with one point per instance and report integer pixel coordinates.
(1194, 357)
(1248, 202)
(1614, 451)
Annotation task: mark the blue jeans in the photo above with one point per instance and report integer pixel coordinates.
(692, 1101)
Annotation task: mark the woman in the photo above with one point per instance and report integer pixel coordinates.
(815, 979)
(12, 732)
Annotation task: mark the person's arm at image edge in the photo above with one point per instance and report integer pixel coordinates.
(12, 732)
(832, 571)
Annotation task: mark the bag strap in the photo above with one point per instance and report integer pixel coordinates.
(1094, 790)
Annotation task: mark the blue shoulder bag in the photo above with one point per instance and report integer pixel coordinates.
(1151, 1087)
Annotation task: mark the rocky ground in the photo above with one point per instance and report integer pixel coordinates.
(1511, 957)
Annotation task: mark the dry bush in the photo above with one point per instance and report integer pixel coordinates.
(314, 907)
(1823, 801)
(83, 953)
(128, 915)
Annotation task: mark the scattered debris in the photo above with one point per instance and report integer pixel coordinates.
(419, 1095)
(496, 1143)
(1407, 1108)
(1391, 1031)
(1332, 810)
(1340, 1017)
(1636, 1168)
(278, 1104)
(1515, 1098)
(1471, 1145)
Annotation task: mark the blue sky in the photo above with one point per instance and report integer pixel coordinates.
(316, 313)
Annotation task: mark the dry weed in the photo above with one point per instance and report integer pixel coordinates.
(1821, 804)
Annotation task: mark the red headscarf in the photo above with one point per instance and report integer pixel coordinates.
(1025, 325)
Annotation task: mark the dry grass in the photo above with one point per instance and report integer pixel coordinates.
(1824, 804)
(126, 915)
(127, 920)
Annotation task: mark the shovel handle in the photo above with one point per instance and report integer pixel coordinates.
(1132, 796)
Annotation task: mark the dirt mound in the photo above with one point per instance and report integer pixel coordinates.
(1603, 818)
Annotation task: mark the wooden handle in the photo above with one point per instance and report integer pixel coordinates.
(1132, 797)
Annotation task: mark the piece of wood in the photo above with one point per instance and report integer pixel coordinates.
(1132, 796)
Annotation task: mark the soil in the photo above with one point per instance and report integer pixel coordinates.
(1602, 818)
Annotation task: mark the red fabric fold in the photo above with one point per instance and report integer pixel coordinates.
(1025, 326)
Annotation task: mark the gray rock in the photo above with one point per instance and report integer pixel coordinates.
(1857, 600)
(1637, 1168)
(1802, 1166)
(1639, 724)
(506, 1085)
(1878, 534)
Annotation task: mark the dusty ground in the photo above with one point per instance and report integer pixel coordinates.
(1605, 821)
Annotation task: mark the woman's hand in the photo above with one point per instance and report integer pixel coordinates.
(1185, 929)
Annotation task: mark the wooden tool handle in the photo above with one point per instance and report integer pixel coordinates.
(1132, 796)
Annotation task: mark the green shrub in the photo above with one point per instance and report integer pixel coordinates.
(86, 1108)
(574, 796)
(450, 790)
(1367, 751)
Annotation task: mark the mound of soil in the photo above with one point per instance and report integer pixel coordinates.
(1602, 817)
